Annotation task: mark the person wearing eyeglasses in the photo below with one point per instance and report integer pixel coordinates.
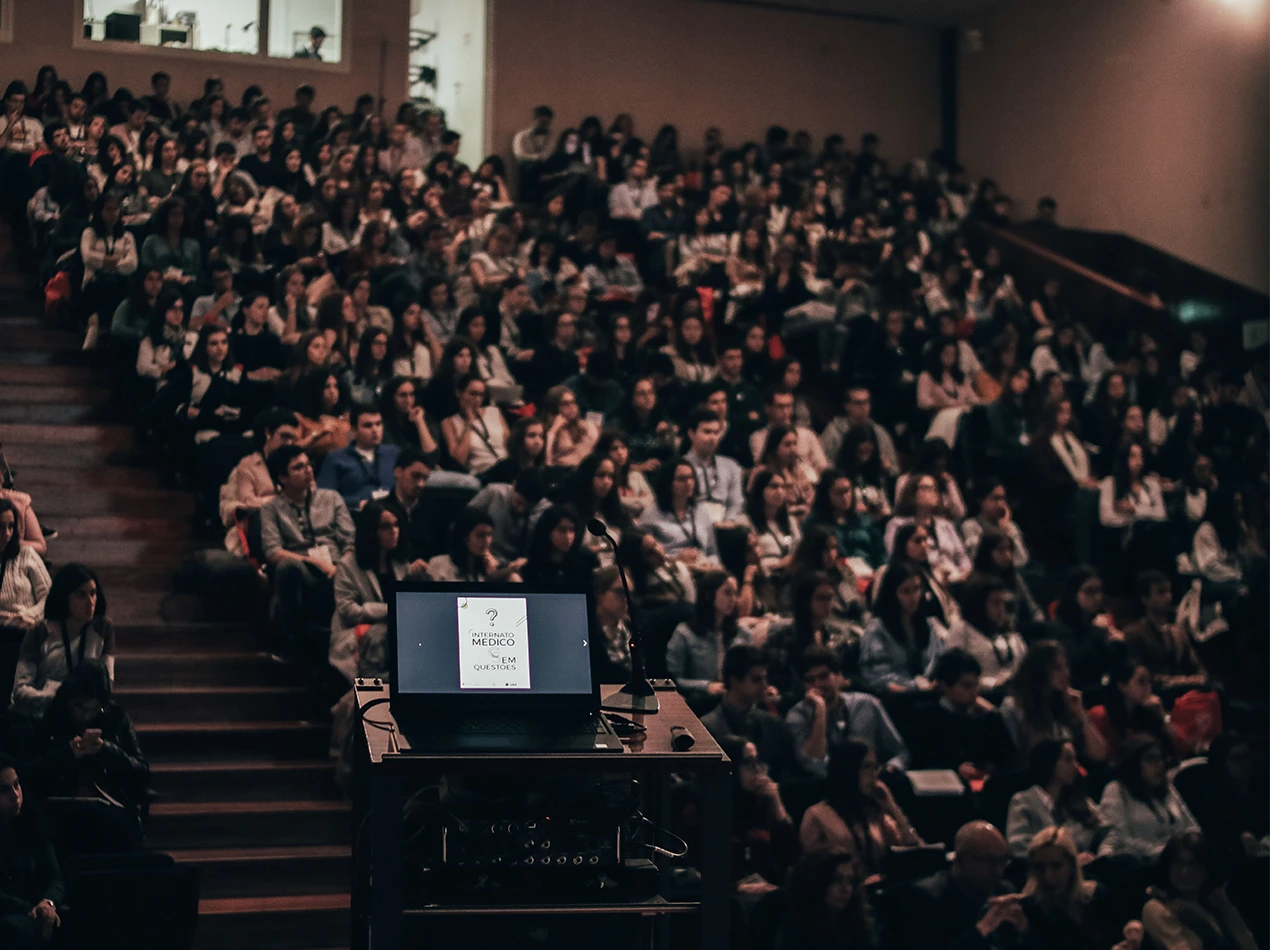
(1142, 807)
(986, 631)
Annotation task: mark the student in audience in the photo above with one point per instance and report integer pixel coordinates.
(592, 494)
(570, 437)
(859, 815)
(1086, 633)
(969, 904)
(363, 578)
(75, 629)
(406, 423)
(780, 456)
(1131, 709)
(1141, 807)
(1232, 804)
(30, 880)
(631, 486)
(859, 405)
(1063, 910)
(694, 655)
(24, 580)
(719, 478)
(829, 714)
(962, 731)
(837, 506)
(994, 515)
(305, 531)
(657, 581)
(1188, 906)
(1057, 797)
(410, 475)
(827, 906)
(901, 644)
(1042, 704)
(84, 753)
(682, 526)
(323, 413)
(1159, 641)
(249, 486)
(919, 504)
(468, 557)
(764, 840)
(994, 561)
(740, 713)
(778, 533)
(556, 556)
(779, 406)
(364, 470)
(1062, 485)
(475, 436)
(986, 631)
(612, 616)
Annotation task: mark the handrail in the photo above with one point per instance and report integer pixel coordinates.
(1079, 269)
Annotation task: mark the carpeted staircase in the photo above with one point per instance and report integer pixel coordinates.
(245, 786)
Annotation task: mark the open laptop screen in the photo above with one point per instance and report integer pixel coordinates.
(468, 640)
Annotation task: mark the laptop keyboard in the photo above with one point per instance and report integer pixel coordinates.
(519, 726)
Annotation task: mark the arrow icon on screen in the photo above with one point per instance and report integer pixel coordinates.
(584, 643)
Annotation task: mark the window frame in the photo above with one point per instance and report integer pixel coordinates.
(260, 57)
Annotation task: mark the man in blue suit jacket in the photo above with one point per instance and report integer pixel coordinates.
(364, 470)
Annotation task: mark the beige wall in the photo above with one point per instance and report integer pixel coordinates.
(43, 29)
(1147, 118)
(696, 64)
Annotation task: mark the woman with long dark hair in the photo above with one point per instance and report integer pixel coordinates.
(24, 580)
(372, 367)
(468, 557)
(628, 481)
(84, 740)
(780, 456)
(827, 907)
(1043, 705)
(1142, 807)
(592, 492)
(109, 254)
(900, 646)
(986, 631)
(555, 556)
(860, 460)
(405, 422)
(694, 655)
(859, 814)
(767, 504)
(440, 397)
(995, 558)
(1188, 906)
(681, 525)
(764, 840)
(1131, 709)
(1061, 490)
(75, 628)
(920, 504)
(323, 414)
(414, 348)
(1131, 506)
(837, 507)
(363, 579)
(1057, 797)
(1084, 628)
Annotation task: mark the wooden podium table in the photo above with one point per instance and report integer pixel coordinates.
(394, 769)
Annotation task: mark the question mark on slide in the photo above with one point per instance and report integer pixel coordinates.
(492, 614)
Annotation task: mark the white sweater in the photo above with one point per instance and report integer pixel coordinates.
(94, 248)
(24, 586)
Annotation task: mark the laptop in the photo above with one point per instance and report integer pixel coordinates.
(495, 668)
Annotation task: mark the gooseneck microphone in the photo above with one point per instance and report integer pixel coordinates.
(638, 694)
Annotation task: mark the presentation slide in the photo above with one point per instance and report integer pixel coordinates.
(493, 643)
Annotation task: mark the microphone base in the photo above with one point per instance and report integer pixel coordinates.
(637, 696)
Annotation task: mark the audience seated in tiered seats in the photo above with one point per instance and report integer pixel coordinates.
(777, 376)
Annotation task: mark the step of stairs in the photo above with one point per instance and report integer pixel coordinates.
(223, 668)
(243, 779)
(239, 704)
(240, 872)
(294, 738)
(243, 824)
(273, 923)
